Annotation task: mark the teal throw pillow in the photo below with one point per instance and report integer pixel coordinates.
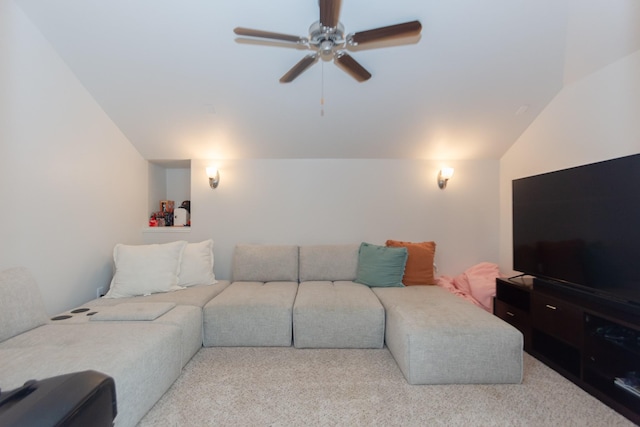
(381, 266)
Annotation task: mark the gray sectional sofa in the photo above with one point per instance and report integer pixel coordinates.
(278, 296)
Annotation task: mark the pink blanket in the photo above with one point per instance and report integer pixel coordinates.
(477, 284)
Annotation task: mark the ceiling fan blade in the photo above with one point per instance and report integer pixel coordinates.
(352, 67)
(399, 30)
(299, 68)
(329, 13)
(269, 35)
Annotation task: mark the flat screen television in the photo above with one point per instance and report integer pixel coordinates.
(580, 228)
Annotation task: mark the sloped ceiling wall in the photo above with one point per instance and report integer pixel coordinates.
(72, 184)
(175, 79)
(177, 82)
(598, 34)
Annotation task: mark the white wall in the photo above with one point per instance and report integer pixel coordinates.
(157, 187)
(594, 119)
(346, 201)
(168, 182)
(178, 185)
(71, 184)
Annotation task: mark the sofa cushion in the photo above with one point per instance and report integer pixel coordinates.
(380, 266)
(197, 264)
(145, 269)
(337, 315)
(139, 311)
(253, 314)
(186, 317)
(21, 305)
(265, 263)
(328, 262)
(419, 268)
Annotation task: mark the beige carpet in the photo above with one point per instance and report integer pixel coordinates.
(292, 387)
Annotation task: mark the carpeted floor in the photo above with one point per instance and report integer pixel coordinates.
(293, 387)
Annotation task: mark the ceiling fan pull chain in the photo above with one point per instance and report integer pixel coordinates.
(322, 90)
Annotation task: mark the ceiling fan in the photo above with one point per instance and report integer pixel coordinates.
(328, 40)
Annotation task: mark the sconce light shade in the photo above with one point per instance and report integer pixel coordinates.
(214, 177)
(444, 176)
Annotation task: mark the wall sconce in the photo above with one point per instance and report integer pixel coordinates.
(214, 177)
(444, 176)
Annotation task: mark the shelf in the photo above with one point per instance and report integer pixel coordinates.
(558, 353)
(620, 337)
(166, 229)
(634, 390)
(605, 389)
(514, 294)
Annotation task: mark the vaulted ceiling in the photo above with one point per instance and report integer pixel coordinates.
(180, 84)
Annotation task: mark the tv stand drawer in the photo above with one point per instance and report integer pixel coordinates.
(515, 317)
(557, 318)
(512, 315)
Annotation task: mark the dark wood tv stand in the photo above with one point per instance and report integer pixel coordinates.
(589, 343)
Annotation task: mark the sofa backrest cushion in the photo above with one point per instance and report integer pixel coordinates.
(328, 262)
(265, 263)
(21, 305)
(197, 265)
(381, 265)
(146, 269)
(419, 269)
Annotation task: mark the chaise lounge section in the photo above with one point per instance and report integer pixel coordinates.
(144, 357)
(438, 338)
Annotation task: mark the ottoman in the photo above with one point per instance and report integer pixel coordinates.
(439, 338)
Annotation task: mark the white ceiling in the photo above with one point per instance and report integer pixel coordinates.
(179, 84)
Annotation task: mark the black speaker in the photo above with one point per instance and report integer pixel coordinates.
(79, 399)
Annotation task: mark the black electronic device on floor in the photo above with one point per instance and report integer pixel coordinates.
(85, 398)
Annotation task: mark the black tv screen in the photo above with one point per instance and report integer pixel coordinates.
(581, 227)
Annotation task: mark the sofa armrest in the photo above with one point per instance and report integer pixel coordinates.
(21, 305)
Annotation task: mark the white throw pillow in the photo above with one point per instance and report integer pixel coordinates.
(197, 264)
(146, 269)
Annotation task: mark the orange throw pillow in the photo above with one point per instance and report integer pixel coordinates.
(419, 267)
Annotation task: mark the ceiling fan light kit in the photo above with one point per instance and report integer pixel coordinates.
(327, 38)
